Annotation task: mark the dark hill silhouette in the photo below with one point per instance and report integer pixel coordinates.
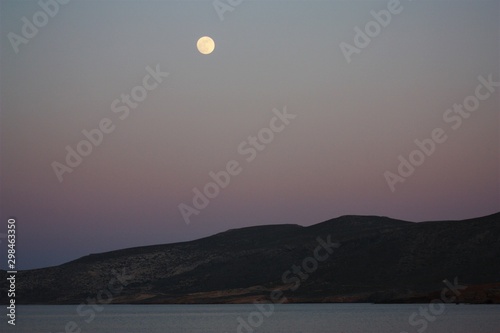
(379, 260)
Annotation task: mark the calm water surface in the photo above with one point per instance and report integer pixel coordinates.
(290, 318)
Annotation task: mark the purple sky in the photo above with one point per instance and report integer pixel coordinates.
(348, 121)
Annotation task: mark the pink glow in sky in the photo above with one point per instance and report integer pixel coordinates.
(352, 121)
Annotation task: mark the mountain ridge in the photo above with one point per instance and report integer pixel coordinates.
(379, 260)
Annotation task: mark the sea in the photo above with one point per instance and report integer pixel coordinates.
(263, 318)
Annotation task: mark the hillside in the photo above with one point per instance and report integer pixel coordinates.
(379, 260)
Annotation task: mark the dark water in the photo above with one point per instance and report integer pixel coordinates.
(290, 318)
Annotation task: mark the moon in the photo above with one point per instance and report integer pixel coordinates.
(205, 45)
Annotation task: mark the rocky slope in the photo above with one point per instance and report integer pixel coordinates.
(377, 259)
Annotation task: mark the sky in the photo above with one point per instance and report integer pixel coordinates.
(302, 113)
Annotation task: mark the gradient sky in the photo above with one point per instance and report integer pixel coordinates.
(352, 120)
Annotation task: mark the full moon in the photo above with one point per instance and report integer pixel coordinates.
(205, 45)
